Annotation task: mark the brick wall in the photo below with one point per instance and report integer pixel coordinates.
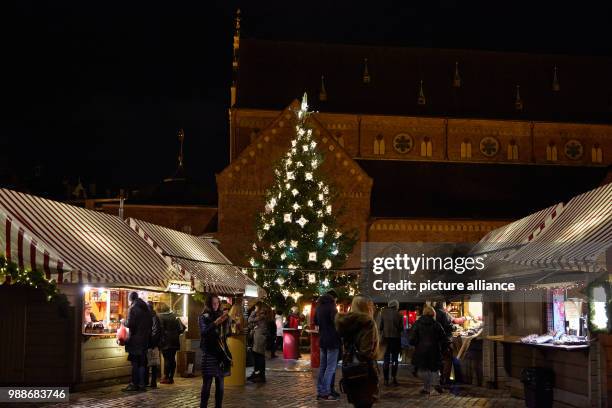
(359, 133)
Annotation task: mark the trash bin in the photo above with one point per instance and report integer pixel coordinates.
(538, 382)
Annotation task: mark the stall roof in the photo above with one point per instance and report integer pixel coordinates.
(194, 256)
(94, 247)
(497, 243)
(578, 239)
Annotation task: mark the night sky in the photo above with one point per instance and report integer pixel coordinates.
(98, 90)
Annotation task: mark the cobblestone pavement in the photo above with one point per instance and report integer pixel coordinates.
(289, 384)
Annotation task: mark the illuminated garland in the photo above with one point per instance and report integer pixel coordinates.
(600, 308)
(299, 246)
(30, 278)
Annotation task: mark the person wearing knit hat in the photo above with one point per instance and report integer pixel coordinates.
(391, 327)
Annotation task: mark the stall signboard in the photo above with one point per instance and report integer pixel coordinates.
(179, 287)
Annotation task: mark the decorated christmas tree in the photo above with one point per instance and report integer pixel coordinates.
(300, 250)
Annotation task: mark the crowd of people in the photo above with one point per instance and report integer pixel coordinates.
(357, 339)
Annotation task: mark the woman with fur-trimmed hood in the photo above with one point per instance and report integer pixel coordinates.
(359, 335)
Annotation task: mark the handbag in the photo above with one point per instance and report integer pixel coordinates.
(153, 358)
(122, 335)
(354, 371)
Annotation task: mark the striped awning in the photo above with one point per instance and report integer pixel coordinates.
(19, 246)
(96, 248)
(194, 256)
(577, 240)
(503, 241)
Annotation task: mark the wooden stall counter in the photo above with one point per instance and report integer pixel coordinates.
(570, 365)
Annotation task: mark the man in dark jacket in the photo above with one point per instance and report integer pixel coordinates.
(391, 327)
(139, 323)
(329, 344)
(446, 321)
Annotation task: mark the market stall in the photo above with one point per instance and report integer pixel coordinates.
(544, 323)
(211, 272)
(96, 259)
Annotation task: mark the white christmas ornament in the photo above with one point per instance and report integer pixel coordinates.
(308, 176)
(312, 256)
(287, 217)
(325, 282)
(295, 192)
(302, 221)
(266, 226)
(313, 144)
(293, 244)
(305, 148)
(294, 151)
(287, 186)
(321, 197)
(291, 266)
(254, 246)
(335, 252)
(319, 213)
(282, 244)
(296, 206)
(252, 261)
(309, 132)
(290, 175)
(338, 234)
(265, 255)
(299, 164)
(351, 292)
(314, 163)
(254, 275)
(320, 234)
(327, 264)
(312, 278)
(285, 293)
(280, 281)
(293, 143)
(328, 209)
(283, 256)
(310, 203)
(296, 296)
(301, 132)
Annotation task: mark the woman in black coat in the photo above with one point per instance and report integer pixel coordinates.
(429, 339)
(216, 360)
(172, 328)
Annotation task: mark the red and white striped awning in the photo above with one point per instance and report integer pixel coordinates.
(578, 239)
(503, 241)
(18, 245)
(93, 247)
(194, 256)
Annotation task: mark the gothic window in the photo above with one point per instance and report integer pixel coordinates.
(379, 144)
(340, 138)
(573, 149)
(426, 148)
(466, 149)
(551, 152)
(512, 150)
(596, 154)
(402, 143)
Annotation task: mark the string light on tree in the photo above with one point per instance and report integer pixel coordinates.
(296, 222)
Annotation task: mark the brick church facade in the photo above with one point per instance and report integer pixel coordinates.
(423, 145)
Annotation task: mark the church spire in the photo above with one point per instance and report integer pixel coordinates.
(322, 91)
(518, 102)
(421, 100)
(456, 77)
(235, 61)
(366, 72)
(556, 86)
